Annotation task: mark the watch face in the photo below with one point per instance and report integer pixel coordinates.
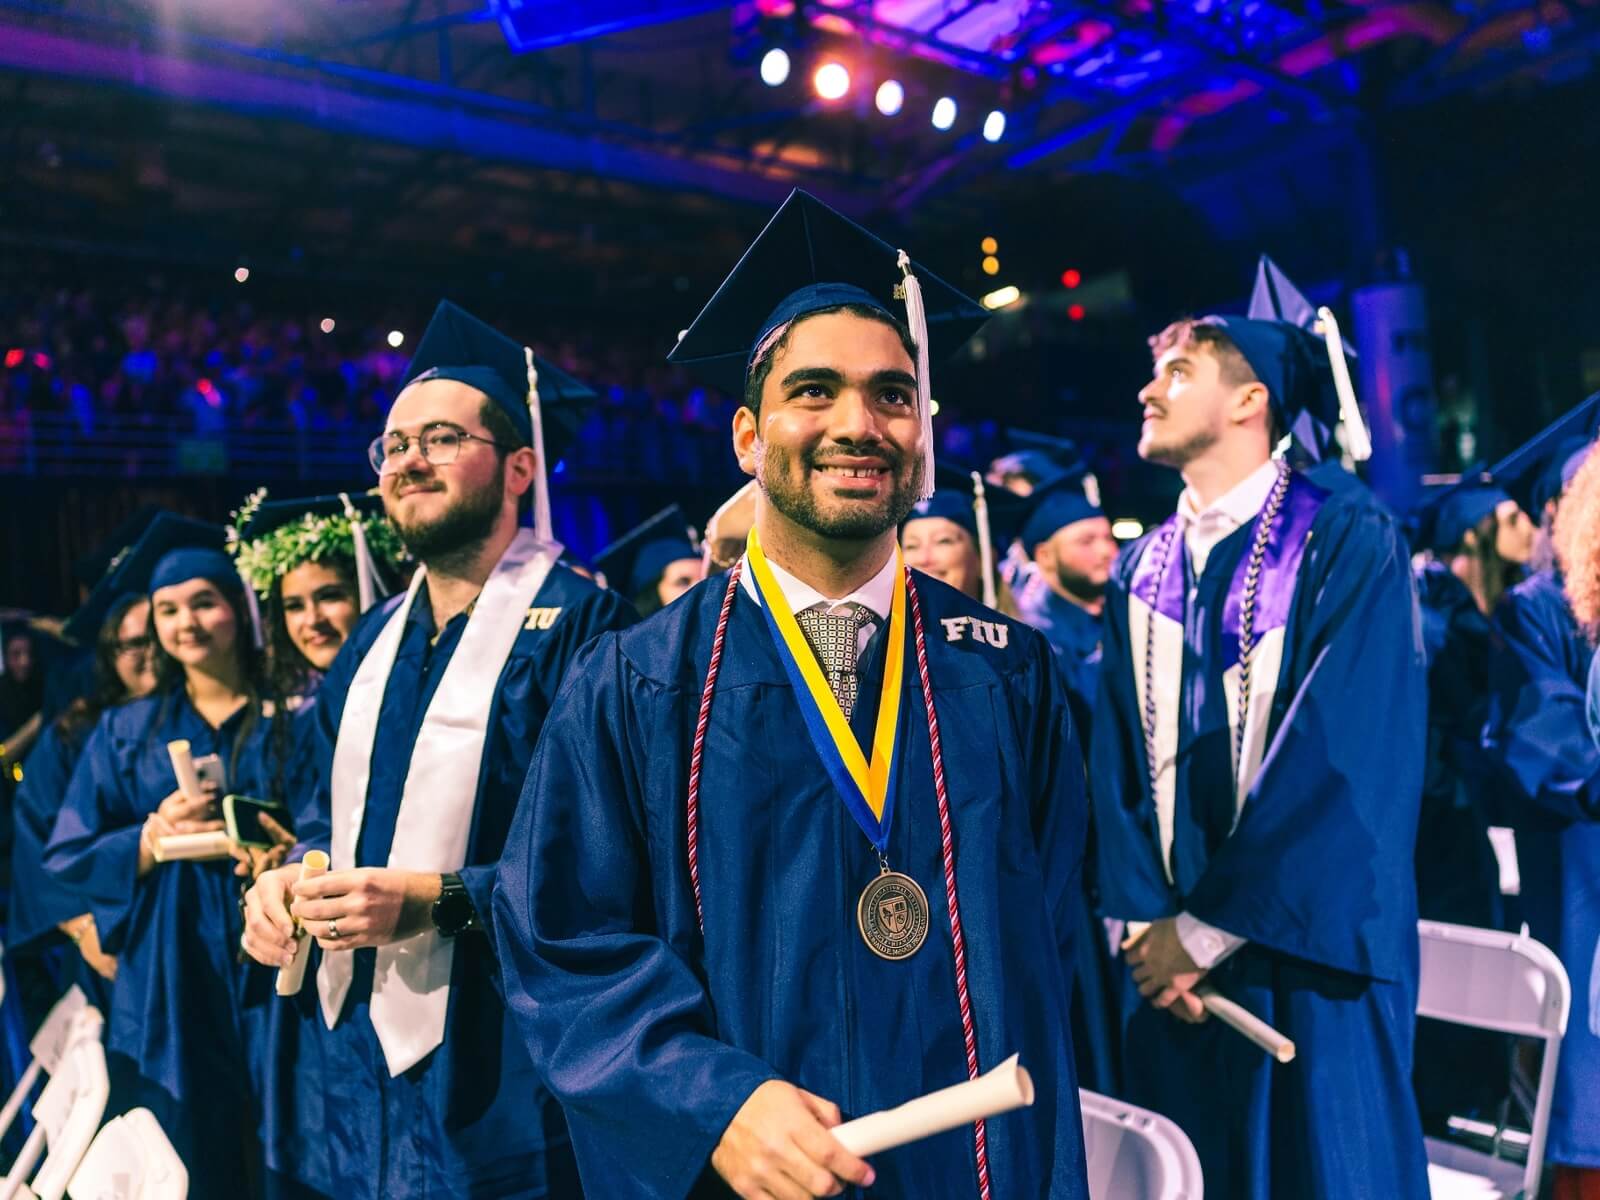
(452, 913)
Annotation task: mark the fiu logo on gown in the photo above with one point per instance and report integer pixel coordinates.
(541, 618)
(992, 633)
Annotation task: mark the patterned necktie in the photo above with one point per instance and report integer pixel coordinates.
(834, 640)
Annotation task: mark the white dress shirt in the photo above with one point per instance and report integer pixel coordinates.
(876, 596)
(1202, 529)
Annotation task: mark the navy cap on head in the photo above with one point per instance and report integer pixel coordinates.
(1539, 470)
(1037, 457)
(97, 570)
(810, 258)
(1054, 505)
(637, 559)
(275, 514)
(1284, 339)
(1442, 519)
(175, 550)
(955, 498)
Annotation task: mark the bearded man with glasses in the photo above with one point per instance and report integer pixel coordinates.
(423, 729)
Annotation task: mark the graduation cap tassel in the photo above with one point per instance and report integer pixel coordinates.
(541, 482)
(917, 320)
(980, 510)
(1355, 428)
(366, 574)
(258, 628)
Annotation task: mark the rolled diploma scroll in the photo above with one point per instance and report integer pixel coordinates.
(1234, 1015)
(998, 1091)
(293, 977)
(181, 847)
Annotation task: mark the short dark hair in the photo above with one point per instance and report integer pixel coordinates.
(756, 378)
(501, 427)
(1233, 368)
(1193, 331)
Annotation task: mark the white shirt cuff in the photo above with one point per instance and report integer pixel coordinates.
(1206, 944)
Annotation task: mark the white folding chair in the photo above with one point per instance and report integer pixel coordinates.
(131, 1159)
(1135, 1154)
(67, 1114)
(46, 1046)
(1510, 984)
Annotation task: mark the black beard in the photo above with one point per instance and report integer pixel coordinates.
(1079, 585)
(793, 498)
(462, 528)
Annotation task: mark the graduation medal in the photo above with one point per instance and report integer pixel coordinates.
(892, 913)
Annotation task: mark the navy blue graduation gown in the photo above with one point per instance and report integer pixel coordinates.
(1317, 872)
(175, 1022)
(1550, 776)
(1457, 1070)
(39, 902)
(653, 1036)
(472, 1118)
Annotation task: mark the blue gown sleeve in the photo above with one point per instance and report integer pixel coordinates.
(1331, 819)
(1537, 732)
(39, 903)
(616, 1017)
(94, 847)
(1591, 700)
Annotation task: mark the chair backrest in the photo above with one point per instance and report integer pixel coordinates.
(1492, 980)
(1506, 982)
(131, 1159)
(71, 1106)
(1135, 1154)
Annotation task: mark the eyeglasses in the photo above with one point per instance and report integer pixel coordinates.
(439, 445)
(132, 646)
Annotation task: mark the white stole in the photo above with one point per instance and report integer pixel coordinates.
(411, 982)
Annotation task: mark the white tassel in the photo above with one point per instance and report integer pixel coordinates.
(258, 628)
(541, 483)
(917, 322)
(1358, 440)
(980, 510)
(366, 573)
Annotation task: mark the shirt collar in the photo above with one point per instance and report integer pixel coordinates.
(877, 594)
(1236, 506)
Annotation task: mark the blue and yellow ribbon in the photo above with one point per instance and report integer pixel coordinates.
(867, 787)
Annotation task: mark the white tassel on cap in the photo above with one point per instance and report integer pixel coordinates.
(1357, 440)
(367, 586)
(917, 322)
(541, 483)
(258, 628)
(980, 511)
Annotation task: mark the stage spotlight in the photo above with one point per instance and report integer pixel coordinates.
(990, 246)
(994, 126)
(327, 325)
(1001, 297)
(396, 338)
(944, 113)
(241, 274)
(832, 81)
(1125, 529)
(1071, 277)
(890, 97)
(991, 265)
(775, 66)
(933, 407)
(1076, 312)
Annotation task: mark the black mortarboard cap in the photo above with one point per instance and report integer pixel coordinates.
(810, 258)
(275, 514)
(90, 568)
(1537, 471)
(1443, 517)
(636, 559)
(457, 345)
(173, 550)
(1056, 503)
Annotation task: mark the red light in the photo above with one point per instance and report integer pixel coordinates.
(1076, 312)
(42, 361)
(14, 357)
(1071, 277)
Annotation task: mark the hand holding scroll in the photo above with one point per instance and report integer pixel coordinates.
(778, 1144)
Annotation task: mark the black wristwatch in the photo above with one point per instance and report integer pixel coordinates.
(453, 913)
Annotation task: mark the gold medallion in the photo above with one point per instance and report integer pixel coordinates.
(893, 916)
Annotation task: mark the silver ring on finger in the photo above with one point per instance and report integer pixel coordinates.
(333, 930)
